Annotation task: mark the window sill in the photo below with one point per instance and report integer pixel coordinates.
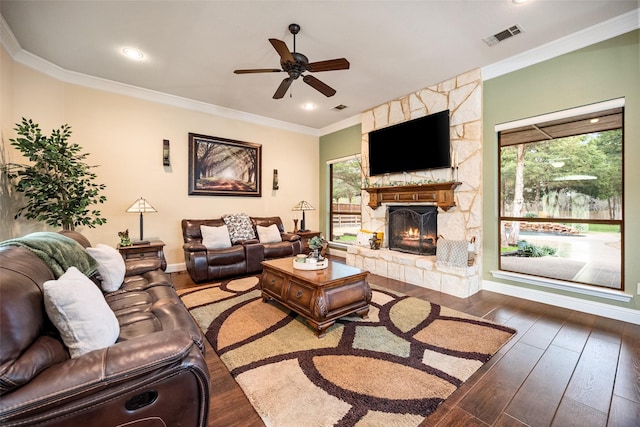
(610, 294)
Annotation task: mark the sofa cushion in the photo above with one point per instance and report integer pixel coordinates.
(226, 256)
(215, 237)
(269, 234)
(240, 227)
(111, 266)
(77, 308)
(278, 250)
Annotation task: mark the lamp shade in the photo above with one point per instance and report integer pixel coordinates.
(303, 206)
(141, 206)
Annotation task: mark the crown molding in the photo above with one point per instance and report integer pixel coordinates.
(343, 124)
(39, 64)
(603, 31)
(597, 33)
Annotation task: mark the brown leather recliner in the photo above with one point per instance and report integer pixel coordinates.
(241, 258)
(154, 375)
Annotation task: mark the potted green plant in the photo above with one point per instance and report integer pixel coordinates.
(315, 244)
(58, 186)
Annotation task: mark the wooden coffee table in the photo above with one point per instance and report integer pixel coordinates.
(320, 296)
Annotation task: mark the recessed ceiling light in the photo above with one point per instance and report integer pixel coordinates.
(133, 53)
(596, 120)
(519, 1)
(309, 106)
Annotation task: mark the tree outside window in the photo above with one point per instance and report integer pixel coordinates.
(561, 199)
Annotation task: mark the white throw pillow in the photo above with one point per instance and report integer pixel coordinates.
(215, 237)
(269, 234)
(78, 310)
(111, 266)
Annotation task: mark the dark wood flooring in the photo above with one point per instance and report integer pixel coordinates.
(563, 368)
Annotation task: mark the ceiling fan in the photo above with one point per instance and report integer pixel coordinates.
(294, 63)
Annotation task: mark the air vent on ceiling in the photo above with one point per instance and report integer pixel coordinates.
(503, 35)
(340, 107)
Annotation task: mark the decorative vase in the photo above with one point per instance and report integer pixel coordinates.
(295, 226)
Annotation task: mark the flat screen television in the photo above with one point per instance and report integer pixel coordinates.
(418, 144)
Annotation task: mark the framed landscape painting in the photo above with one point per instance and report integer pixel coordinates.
(224, 167)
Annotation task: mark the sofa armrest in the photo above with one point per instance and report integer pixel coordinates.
(94, 379)
(195, 258)
(194, 247)
(289, 237)
(254, 254)
(135, 267)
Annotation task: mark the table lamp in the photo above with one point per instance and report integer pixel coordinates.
(303, 206)
(141, 206)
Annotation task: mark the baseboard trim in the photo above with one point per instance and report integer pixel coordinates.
(592, 307)
(174, 268)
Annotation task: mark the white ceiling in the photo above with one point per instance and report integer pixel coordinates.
(192, 47)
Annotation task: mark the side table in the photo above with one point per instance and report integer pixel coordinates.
(305, 236)
(153, 250)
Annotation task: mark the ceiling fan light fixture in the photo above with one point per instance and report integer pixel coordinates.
(309, 106)
(295, 64)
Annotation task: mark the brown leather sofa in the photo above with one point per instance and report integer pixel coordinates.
(242, 258)
(154, 375)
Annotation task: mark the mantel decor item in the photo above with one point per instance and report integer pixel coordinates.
(224, 167)
(141, 206)
(303, 206)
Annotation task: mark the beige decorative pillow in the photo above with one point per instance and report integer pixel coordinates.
(269, 234)
(215, 237)
(363, 238)
(111, 266)
(78, 310)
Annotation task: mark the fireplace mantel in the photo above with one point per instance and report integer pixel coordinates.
(440, 193)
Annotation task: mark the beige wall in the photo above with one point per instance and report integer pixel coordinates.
(124, 137)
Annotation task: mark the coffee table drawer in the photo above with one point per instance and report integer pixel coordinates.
(273, 283)
(299, 296)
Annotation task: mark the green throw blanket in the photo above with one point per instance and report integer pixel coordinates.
(57, 251)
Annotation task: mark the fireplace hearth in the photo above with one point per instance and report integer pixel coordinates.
(413, 229)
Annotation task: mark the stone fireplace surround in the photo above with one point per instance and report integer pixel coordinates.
(462, 95)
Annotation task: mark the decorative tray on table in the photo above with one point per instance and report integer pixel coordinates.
(305, 264)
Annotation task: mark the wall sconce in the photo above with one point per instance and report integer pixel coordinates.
(165, 153)
(141, 206)
(275, 179)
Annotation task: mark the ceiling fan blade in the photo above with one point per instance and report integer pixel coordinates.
(282, 49)
(319, 86)
(329, 65)
(258, 70)
(282, 89)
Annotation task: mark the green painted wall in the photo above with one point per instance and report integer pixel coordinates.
(604, 71)
(343, 143)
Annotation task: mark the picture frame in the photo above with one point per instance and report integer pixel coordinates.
(224, 167)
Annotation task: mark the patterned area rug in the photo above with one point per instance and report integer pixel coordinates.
(392, 369)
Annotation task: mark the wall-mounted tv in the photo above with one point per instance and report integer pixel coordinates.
(418, 144)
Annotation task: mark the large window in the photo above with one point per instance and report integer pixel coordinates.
(561, 197)
(345, 195)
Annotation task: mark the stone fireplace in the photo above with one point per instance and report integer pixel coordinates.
(457, 219)
(413, 229)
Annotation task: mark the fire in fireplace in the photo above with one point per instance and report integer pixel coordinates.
(413, 229)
